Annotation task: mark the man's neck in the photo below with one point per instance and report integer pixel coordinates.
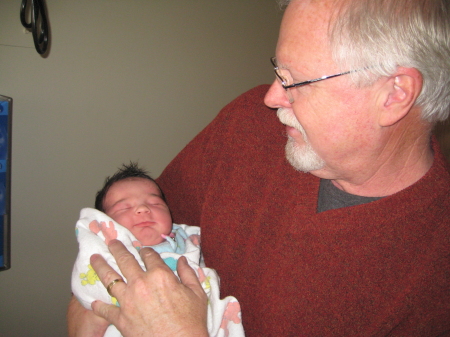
(400, 165)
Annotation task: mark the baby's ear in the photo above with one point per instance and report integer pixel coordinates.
(399, 94)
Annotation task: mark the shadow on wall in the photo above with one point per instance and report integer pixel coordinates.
(442, 132)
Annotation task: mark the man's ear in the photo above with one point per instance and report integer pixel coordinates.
(400, 95)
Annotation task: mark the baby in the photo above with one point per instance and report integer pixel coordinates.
(131, 208)
(134, 200)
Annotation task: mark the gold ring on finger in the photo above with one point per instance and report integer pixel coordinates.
(109, 287)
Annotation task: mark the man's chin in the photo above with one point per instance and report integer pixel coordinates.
(302, 158)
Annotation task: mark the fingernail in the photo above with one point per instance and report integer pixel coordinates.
(94, 257)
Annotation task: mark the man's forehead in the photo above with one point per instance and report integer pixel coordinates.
(304, 28)
(319, 9)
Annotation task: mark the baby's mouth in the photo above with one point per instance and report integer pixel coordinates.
(145, 224)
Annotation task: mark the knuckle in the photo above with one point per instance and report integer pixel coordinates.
(141, 287)
(125, 258)
(146, 252)
(162, 274)
(110, 275)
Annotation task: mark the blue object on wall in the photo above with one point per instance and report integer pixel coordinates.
(5, 181)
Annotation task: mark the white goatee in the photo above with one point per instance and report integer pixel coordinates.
(301, 157)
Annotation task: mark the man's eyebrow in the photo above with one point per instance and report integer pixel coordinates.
(282, 66)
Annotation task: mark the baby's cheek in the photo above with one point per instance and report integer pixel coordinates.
(123, 221)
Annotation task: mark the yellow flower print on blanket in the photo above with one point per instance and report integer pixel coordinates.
(90, 277)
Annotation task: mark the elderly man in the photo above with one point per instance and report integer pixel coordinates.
(357, 242)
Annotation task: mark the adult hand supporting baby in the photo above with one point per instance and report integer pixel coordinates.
(152, 302)
(84, 323)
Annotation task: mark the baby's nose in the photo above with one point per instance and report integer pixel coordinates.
(142, 209)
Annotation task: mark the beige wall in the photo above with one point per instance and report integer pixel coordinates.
(125, 80)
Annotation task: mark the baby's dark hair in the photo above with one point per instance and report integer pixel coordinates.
(132, 170)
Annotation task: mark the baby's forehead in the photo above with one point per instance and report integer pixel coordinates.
(140, 179)
(126, 184)
(128, 189)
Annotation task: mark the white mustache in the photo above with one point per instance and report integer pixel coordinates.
(302, 158)
(287, 117)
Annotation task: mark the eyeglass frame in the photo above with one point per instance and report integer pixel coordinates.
(299, 84)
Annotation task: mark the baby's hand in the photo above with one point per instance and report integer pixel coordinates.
(110, 233)
(94, 226)
(195, 238)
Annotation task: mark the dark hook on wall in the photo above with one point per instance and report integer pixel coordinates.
(38, 24)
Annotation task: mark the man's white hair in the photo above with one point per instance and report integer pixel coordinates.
(382, 35)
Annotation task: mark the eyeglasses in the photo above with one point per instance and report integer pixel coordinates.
(285, 77)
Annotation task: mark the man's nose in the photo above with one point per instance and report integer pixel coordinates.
(276, 97)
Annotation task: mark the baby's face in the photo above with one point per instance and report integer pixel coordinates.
(136, 204)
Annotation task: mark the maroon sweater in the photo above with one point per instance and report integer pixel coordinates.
(378, 269)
